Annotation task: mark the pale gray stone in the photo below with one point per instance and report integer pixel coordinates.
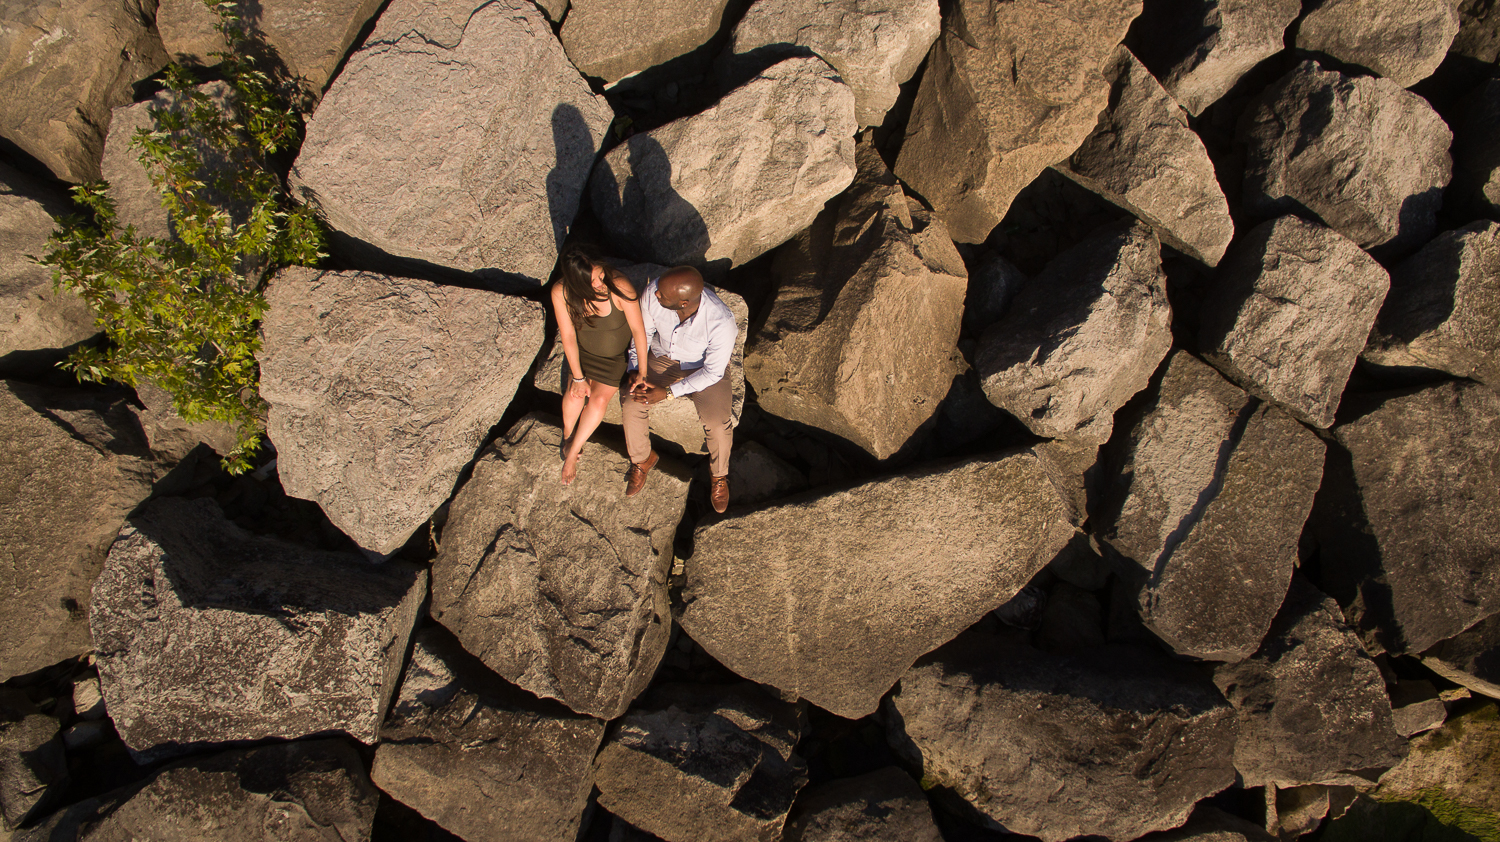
(1200, 49)
(382, 388)
(1470, 658)
(206, 633)
(88, 700)
(1403, 42)
(33, 770)
(1476, 149)
(458, 135)
(881, 806)
(612, 39)
(35, 316)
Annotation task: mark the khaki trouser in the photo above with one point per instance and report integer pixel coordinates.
(714, 410)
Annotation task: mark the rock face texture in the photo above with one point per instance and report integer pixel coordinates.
(1327, 142)
(458, 135)
(1457, 760)
(1143, 157)
(33, 768)
(1082, 337)
(881, 806)
(612, 40)
(1443, 311)
(206, 633)
(860, 338)
(561, 589)
(724, 754)
(1289, 313)
(1199, 49)
(72, 465)
(1211, 825)
(1476, 152)
(1471, 658)
(63, 66)
(35, 316)
(1310, 703)
(1403, 42)
(1016, 86)
(483, 760)
(1407, 520)
(671, 196)
(832, 598)
(1117, 741)
(382, 388)
(875, 45)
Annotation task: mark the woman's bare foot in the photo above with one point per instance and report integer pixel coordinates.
(569, 469)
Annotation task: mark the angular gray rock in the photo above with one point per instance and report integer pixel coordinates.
(561, 589)
(671, 195)
(63, 66)
(35, 315)
(33, 769)
(1406, 522)
(881, 806)
(73, 464)
(1117, 741)
(1081, 338)
(704, 763)
(1143, 157)
(861, 337)
(1476, 150)
(1311, 705)
(612, 39)
(206, 633)
(1199, 49)
(1470, 658)
(849, 588)
(1323, 141)
(382, 388)
(1289, 312)
(1403, 42)
(1443, 311)
(1416, 706)
(1010, 88)
(482, 759)
(458, 135)
(875, 45)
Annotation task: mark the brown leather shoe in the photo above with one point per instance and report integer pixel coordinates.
(718, 493)
(635, 476)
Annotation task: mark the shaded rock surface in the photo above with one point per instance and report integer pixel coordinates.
(993, 284)
(33, 770)
(35, 316)
(860, 337)
(1461, 761)
(1404, 42)
(459, 136)
(611, 39)
(1289, 313)
(206, 633)
(1476, 150)
(1211, 825)
(671, 196)
(757, 474)
(1201, 48)
(382, 388)
(1081, 338)
(561, 589)
(831, 598)
(881, 806)
(1471, 658)
(171, 437)
(1416, 706)
(1116, 741)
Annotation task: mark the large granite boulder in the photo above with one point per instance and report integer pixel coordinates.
(1403, 42)
(1289, 312)
(1470, 658)
(73, 463)
(881, 806)
(1116, 741)
(1010, 88)
(36, 316)
(875, 45)
(1322, 141)
(612, 39)
(1476, 150)
(1143, 157)
(382, 388)
(672, 196)
(63, 65)
(459, 136)
(561, 589)
(1199, 49)
(1082, 337)
(205, 633)
(1443, 311)
(479, 757)
(1311, 704)
(831, 598)
(33, 769)
(860, 339)
(1407, 522)
(704, 763)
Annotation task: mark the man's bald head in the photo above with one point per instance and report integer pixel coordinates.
(680, 289)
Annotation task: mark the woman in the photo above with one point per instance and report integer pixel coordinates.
(597, 318)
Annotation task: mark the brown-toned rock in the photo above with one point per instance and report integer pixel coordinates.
(612, 39)
(1470, 658)
(35, 315)
(1403, 42)
(881, 806)
(33, 769)
(1199, 49)
(1476, 149)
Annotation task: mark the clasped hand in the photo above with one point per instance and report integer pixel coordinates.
(646, 393)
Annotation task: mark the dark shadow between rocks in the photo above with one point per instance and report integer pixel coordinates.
(570, 135)
(1416, 225)
(660, 221)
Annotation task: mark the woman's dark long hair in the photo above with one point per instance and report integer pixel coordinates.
(577, 278)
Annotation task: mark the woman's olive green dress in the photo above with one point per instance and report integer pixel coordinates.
(601, 347)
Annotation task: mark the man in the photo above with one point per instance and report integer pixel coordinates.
(690, 335)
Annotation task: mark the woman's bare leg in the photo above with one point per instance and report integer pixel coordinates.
(588, 421)
(571, 408)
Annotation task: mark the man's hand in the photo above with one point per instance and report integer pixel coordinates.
(649, 394)
(637, 380)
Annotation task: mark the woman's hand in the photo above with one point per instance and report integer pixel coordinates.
(579, 389)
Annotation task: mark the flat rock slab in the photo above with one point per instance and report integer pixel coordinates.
(485, 761)
(1289, 312)
(382, 388)
(36, 316)
(671, 195)
(1322, 141)
(458, 135)
(1199, 49)
(1082, 337)
(1143, 157)
(882, 806)
(1116, 741)
(831, 598)
(612, 39)
(1404, 42)
(1311, 704)
(1471, 658)
(206, 633)
(861, 336)
(561, 589)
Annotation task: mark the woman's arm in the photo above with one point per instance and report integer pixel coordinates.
(569, 339)
(632, 308)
